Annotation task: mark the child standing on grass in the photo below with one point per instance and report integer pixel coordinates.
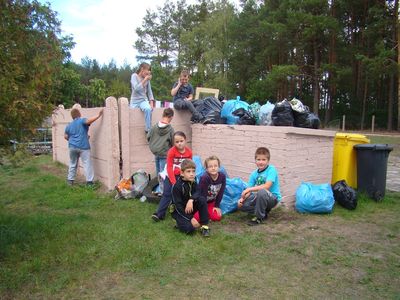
(76, 133)
(161, 138)
(263, 191)
(175, 156)
(182, 93)
(212, 186)
(187, 200)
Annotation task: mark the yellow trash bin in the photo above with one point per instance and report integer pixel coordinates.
(344, 157)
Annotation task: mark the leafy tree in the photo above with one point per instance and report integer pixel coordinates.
(30, 57)
(97, 92)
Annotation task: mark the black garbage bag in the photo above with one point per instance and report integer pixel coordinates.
(306, 119)
(246, 117)
(345, 195)
(210, 110)
(282, 114)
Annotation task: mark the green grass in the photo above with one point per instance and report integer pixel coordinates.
(62, 242)
(393, 141)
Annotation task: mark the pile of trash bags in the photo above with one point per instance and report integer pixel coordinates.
(320, 198)
(239, 112)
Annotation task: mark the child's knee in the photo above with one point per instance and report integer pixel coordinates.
(215, 217)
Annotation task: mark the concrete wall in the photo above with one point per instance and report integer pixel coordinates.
(135, 149)
(104, 141)
(299, 154)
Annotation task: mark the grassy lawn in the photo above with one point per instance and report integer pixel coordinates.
(72, 243)
(393, 141)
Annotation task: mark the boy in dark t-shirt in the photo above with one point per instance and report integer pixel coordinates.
(182, 93)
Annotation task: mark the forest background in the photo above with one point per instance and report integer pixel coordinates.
(339, 57)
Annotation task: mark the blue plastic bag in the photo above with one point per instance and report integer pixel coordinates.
(311, 198)
(233, 191)
(265, 114)
(229, 107)
(199, 167)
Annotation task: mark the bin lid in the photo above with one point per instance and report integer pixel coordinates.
(352, 137)
(377, 147)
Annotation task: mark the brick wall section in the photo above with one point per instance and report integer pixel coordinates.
(104, 141)
(299, 154)
(135, 148)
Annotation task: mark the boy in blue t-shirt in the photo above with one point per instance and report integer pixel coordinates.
(76, 133)
(263, 191)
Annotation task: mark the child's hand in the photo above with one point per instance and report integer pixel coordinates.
(240, 202)
(244, 193)
(189, 207)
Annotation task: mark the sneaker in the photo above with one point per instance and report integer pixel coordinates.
(205, 231)
(155, 218)
(70, 182)
(89, 183)
(254, 221)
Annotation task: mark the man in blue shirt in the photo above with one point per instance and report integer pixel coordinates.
(76, 133)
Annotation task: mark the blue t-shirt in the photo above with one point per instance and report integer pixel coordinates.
(184, 91)
(77, 132)
(269, 174)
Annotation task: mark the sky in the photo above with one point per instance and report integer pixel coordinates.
(103, 29)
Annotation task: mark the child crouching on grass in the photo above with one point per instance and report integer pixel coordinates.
(212, 186)
(263, 192)
(187, 200)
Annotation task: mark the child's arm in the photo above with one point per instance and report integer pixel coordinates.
(190, 96)
(170, 165)
(246, 193)
(196, 196)
(92, 119)
(176, 88)
(189, 206)
(177, 198)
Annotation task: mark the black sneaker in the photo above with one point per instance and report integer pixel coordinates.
(155, 218)
(205, 231)
(254, 221)
(70, 182)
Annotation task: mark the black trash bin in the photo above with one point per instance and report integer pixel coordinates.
(371, 169)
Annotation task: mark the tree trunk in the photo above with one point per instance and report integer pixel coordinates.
(390, 103)
(398, 62)
(316, 80)
(364, 102)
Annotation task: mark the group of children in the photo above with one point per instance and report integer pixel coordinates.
(192, 205)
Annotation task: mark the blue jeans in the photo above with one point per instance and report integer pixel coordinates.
(166, 199)
(160, 163)
(145, 107)
(74, 154)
